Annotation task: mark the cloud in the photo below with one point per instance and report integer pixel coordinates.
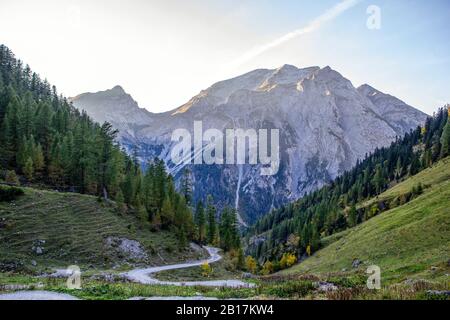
(312, 26)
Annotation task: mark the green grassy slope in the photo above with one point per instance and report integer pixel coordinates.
(74, 228)
(412, 240)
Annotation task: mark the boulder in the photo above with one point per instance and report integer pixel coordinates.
(356, 263)
(443, 293)
(325, 286)
(247, 275)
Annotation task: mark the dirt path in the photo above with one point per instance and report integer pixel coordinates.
(36, 295)
(145, 275)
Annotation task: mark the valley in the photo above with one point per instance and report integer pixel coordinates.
(89, 183)
(409, 243)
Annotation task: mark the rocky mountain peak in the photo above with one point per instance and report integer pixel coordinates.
(367, 90)
(117, 90)
(326, 125)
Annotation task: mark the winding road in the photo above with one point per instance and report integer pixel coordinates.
(36, 295)
(145, 275)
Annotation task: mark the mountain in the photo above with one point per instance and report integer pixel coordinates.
(325, 123)
(117, 107)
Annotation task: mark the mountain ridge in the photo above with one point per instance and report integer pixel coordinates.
(327, 125)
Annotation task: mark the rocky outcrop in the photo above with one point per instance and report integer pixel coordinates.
(125, 250)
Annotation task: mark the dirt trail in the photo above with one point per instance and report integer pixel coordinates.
(144, 275)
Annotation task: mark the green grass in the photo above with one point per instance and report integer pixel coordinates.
(101, 290)
(410, 241)
(271, 287)
(74, 228)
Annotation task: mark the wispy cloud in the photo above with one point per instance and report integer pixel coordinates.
(315, 24)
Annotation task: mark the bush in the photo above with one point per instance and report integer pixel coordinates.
(206, 269)
(9, 193)
(394, 203)
(268, 268)
(350, 281)
(416, 190)
(251, 264)
(288, 260)
(290, 288)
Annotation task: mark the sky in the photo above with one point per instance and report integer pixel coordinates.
(163, 52)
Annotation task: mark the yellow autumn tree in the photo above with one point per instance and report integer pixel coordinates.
(267, 268)
(308, 250)
(206, 269)
(423, 131)
(290, 260)
(287, 260)
(250, 264)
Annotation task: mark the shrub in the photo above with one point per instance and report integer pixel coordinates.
(290, 288)
(11, 178)
(250, 264)
(267, 268)
(394, 203)
(206, 269)
(288, 260)
(9, 193)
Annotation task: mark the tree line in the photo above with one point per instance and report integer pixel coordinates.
(46, 142)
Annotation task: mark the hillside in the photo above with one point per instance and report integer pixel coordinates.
(353, 197)
(412, 240)
(75, 229)
(46, 142)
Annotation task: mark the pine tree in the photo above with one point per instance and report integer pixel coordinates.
(120, 201)
(378, 179)
(225, 230)
(142, 214)
(167, 214)
(414, 167)
(129, 188)
(445, 140)
(186, 186)
(352, 216)
(105, 166)
(28, 169)
(398, 169)
(26, 117)
(212, 226)
(228, 230)
(43, 127)
(200, 221)
(9, 137)
(182, 237)
(159, 182)
(315, 239)
(240, 259)
(436, 147)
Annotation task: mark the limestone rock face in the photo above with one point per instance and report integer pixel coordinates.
(325, 123)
